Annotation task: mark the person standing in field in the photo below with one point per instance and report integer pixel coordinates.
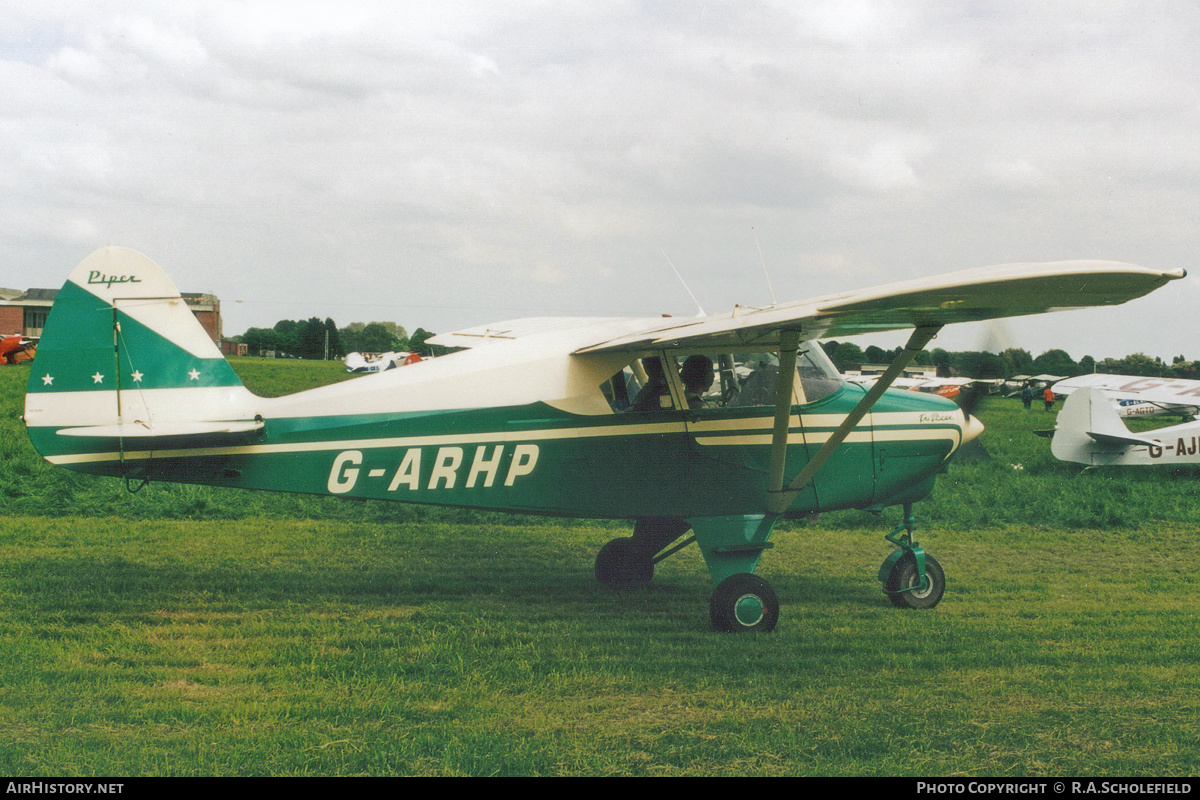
(1027, 397)
(1048, 396)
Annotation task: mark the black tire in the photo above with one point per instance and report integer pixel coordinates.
(744, 602)
(904, 575)
(622, 564)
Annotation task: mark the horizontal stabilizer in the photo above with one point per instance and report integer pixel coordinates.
(1089, 431)
(1123, 439)
(143, 430)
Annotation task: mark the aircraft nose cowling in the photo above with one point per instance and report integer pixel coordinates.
(971, 429)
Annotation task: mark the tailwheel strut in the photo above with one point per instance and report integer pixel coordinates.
(911, 578)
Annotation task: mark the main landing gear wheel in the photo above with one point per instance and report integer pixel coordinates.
(903, 585)
(623, 564)
(744, 602)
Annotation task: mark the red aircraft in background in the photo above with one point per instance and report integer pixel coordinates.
(15, 348)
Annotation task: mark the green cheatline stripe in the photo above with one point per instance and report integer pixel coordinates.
(283, 438)
(75, 353)
(530, 421)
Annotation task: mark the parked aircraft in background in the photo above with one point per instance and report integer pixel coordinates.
(722, 424)
(15, 348)
(1089, 431)
(946, 387)
(1133, 396)
(1017, 383)
(357, 362)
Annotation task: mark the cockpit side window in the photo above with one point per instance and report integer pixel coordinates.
(735, 380)
(712, 380)
(640, 386)
(749, 379)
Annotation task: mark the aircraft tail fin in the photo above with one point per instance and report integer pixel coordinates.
(122, 355)
(1089, 426)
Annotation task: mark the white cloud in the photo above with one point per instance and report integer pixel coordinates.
(538, 157)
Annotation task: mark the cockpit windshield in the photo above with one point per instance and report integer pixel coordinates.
(818, 377)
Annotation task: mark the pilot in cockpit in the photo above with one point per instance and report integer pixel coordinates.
(697, 375)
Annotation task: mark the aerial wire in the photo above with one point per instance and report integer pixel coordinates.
(699, 307)
(770, 286)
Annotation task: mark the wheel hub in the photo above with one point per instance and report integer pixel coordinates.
(921, 590)
(748, 610)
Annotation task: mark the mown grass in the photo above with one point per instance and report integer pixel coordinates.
(172, 647)
(258, 634)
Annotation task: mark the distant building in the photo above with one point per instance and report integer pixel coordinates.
(25, 312)
(232, 348)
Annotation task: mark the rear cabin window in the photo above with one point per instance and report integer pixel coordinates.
(642, 385)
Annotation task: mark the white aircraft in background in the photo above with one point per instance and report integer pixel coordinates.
(357, 362)
(1089, 431)
(1133, 396)
(946, 387)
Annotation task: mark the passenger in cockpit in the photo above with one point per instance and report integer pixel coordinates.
(650, 398)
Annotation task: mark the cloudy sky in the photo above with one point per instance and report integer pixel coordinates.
(447, 164)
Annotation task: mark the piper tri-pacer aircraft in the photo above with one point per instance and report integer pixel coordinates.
(721, 424)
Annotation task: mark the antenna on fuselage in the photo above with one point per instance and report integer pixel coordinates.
(763, 261)
(699, 307)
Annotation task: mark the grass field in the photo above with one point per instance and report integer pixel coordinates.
(192, 631)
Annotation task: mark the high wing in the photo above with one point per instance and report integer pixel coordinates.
(507, 331)
(1006, 290)
(1167, 391)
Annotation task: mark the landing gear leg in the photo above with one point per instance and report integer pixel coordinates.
(910, 577)
(732, 547)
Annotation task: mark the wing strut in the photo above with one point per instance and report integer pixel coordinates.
(789, 343)
(779, 498)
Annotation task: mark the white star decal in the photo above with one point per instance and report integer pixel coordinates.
(47, 379)
(97, 378)
(137, 377)
(194, 375)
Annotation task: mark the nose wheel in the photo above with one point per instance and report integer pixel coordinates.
(906, 588)
(911, 577)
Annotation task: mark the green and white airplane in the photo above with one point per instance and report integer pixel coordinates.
(675, 423)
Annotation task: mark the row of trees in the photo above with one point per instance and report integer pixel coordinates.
(1013, 361)
(313, 338)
